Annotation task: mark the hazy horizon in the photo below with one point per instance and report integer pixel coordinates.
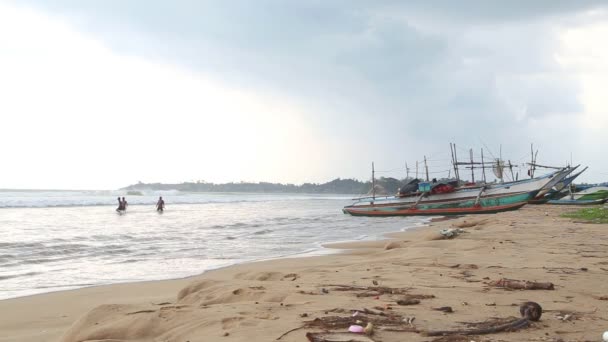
(98, 93)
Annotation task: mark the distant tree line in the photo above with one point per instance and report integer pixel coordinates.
(384, 185)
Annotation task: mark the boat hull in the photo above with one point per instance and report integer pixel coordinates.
(435, 211)
(483, 205)
(577, 202)
(467, 193)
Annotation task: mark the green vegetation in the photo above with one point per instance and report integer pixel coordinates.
(593, 215)
(336, 186)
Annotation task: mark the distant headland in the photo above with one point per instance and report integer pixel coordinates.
(336, 186)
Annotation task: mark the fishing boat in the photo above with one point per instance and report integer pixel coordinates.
(479, 205)
(453, 198)
(557, 179)
(436, 212)
(592, 193)
(559, 189)
(463, 193)
(577, 202)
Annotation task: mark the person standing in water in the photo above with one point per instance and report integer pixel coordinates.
(120, 206)
(160, 205)
(124, 204)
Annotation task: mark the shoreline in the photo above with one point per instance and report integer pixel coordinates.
(261, 300)
(322, 249)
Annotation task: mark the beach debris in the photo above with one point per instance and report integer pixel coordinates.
(366, 311)
(450, 233)
(369, 329)
(409, 320)
(447, 309)
(530, 311)
(377, 291)
(375, 282)
(408, 301)
(324, 290)
(337, 337)
(514, 284)
(355, 329)
(304, 314)
(455, 338)
(372, 320)
(605, 336)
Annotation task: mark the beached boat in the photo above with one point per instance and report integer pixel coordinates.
(557, 179)
(593, 193)
(479, 205)
(459, 194)
(436, 212)
(568, 180)
(577, 202)
(558, 191)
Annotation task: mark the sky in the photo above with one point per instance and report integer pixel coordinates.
(101, 94)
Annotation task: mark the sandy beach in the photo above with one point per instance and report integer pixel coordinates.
(263, 301)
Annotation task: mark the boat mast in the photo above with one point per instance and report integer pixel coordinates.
(455, 161)
(426, 167)
(472, 168)
(373, 182)
(532, 164)
(483, 167)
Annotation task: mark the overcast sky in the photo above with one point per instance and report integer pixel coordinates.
(102, 94)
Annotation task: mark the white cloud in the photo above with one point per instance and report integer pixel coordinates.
(75, 114)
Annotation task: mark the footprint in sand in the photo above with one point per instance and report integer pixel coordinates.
(230, 322)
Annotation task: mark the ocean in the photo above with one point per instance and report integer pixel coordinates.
(60, 240)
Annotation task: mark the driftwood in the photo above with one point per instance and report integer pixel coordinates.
(521, 284)
(455, 338)
(379, 290)
(408, 301)
(511, 326)
(380, 320)
(337, 337)
(530, 311)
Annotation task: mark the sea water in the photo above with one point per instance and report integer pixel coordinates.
(58, 240)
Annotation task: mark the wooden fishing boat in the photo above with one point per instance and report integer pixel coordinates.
(593, 193)
(461, 193)
(555, 189)
(479, 205)
(577, 202)
(557, 179)
(434, 211)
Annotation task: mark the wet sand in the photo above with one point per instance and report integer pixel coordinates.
(263, 300)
